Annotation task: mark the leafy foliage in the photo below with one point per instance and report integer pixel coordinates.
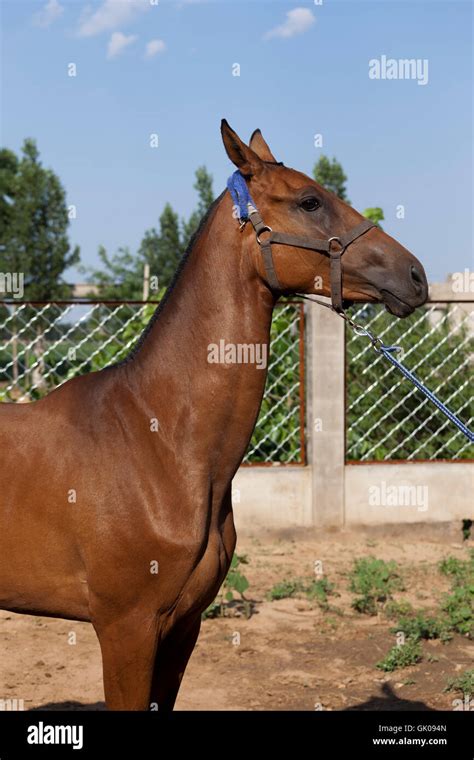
(121, 273)
(285, 589)
(330, 174)
(319, 590)
(459, 570)
(34, 225)
(163, 249)
(203, 187)
(374, 581)
(401, 656)
(458, 604)
(463, 683)
(235, 583)
(421, 626)
(278, 426)
(316, 590)
(394, 609)
(375, 214)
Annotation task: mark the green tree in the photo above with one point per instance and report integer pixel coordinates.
(330, 174)
(8, 176)
(163, 248)
(35, 243)
(203, 186)
(119, 277)
(35, 224)
(375, 214)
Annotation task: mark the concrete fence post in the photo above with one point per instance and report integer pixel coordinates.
(325, 423)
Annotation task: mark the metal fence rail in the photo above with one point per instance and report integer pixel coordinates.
(386, 417)
(43, 345)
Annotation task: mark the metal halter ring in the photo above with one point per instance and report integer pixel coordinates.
(263, 229)
(338, 240)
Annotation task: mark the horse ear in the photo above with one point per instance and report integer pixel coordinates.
(239, 153)
(260, 147)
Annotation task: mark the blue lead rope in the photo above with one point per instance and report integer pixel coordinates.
(387, 352)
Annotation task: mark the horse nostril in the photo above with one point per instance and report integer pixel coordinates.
(416, 277)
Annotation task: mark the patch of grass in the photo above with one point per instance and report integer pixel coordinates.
(331, 623)
(463, 683)
(315, 590)
(394, 610)
(374, 581)
(458, 606)
(421, 626)
(319, 590)
(285, 589)
(460, 570)
(401, 656)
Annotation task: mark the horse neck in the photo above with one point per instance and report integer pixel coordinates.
(209, 409)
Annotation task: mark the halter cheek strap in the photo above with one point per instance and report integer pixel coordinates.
(334, 247)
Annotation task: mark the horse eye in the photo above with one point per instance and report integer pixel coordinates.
(310, 204)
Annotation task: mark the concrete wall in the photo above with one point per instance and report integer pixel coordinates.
(327, 491)
(272, 497)
(375, 494)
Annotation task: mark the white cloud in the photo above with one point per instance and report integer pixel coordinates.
(298, 20)
(110, 15)
(153, 47)
(47, 15)
(118, 42)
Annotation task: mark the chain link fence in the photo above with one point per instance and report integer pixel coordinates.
(386, 417)
(43, 345)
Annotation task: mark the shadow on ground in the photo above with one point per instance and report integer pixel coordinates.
(68, 707)
(388, 701)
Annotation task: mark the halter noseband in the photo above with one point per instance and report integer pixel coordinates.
(248, 211)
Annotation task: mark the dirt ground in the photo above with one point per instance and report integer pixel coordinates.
(292, 655)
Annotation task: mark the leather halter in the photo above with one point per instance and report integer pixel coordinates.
(334, 246)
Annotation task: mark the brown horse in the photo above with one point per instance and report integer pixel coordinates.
(115, 489)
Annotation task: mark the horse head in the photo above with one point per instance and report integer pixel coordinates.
(374, 267)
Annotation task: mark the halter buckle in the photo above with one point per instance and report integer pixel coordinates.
(265, 228)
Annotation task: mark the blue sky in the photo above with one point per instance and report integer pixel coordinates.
(167, 69)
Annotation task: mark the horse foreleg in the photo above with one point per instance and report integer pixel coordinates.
(170, 663)
(128, 644)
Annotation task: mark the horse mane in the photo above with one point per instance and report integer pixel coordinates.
(181, 265)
